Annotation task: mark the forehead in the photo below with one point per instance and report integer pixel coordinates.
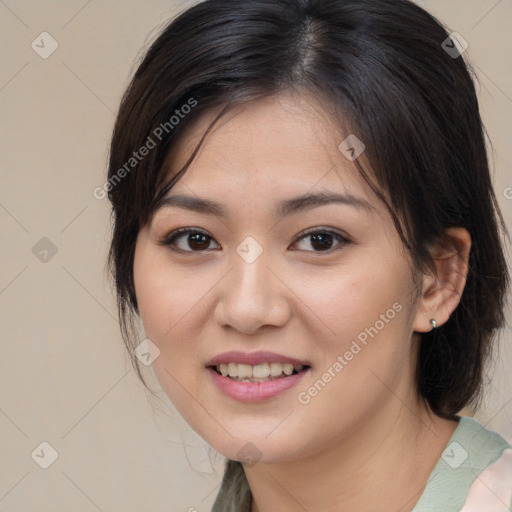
(278, 146)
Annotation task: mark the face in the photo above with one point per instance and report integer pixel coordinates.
(325, 284)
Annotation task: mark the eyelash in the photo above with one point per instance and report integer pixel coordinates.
(171, 238)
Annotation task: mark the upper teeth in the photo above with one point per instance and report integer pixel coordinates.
(260, 371)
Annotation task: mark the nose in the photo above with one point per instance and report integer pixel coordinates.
(253, 295)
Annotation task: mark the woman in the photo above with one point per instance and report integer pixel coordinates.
(306, 226)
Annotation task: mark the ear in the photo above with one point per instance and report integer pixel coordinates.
(441, 292)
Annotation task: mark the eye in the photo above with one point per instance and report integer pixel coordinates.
(197, 240)
(322, 240)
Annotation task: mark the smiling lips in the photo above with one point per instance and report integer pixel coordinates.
(256, 389)
(258, 373)
(256, 366)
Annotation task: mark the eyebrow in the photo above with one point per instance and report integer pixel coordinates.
(286, 207)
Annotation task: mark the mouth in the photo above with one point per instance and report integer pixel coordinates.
(256, 376)
(263, 372)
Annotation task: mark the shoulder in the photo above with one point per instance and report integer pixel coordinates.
(492, 489)
(474, 473)
(490, 462)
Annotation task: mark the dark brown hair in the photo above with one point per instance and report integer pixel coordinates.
(380, 67)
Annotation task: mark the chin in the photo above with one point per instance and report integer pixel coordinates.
(254, 444)
(257, 451)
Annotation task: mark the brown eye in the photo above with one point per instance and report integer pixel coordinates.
(323, 240)
(188, 240)
(195, 240)
(198, 241)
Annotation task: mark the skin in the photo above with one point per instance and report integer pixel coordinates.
(365, 442)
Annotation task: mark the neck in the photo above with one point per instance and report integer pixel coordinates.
(383, 464)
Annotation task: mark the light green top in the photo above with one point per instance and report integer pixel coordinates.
(474, 473)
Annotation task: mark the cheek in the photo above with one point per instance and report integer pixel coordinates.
(356, 296)
(366, 312)
(167, 297)
(160, 309)
(369, 313)
(172, 306)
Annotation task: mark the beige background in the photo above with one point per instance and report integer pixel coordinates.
(66, 379)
